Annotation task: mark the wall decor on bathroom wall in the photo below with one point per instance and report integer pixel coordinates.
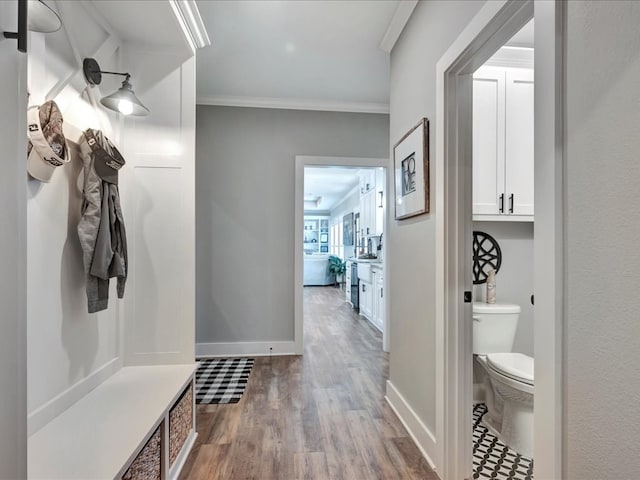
(487, 256)
(411, 171)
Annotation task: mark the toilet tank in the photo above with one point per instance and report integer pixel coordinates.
(494, 327)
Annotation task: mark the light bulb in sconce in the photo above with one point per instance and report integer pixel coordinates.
(125, 107)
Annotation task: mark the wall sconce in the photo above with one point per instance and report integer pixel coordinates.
(124, 100)
(35, 16)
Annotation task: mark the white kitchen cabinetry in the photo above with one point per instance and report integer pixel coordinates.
(372, 187)
(371, 293)
(366, 299)
(378, 298)
(503, 144)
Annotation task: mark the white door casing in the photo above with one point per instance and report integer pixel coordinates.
(494, 24)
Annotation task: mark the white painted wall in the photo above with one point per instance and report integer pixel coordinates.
(411, 250)
(69, 350)
(245, 211)
(603, 227)
(514, 282)
(160, 209)
(13, 375)
(66, 345)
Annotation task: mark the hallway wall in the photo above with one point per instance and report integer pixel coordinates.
(602, 231)
(245, 214)
(432, 28)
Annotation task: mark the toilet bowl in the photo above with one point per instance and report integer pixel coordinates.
(506, 378)
(512, 378)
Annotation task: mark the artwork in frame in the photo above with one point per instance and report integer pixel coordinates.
(411, 171)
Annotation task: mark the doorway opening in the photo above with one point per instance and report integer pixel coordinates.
(340, 209)
(456, 200)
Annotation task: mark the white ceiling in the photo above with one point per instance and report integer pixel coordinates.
(330, 184)
(309, 52)
(524, 37)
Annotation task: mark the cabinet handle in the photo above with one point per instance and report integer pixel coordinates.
(501, 203)
(511, 203)
(367, 230)
(381, 292)
(363, 289)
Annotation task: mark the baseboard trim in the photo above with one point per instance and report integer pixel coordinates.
(54, 407)
(243, 349)
(421, 435)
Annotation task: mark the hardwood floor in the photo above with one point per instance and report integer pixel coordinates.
(317, 416)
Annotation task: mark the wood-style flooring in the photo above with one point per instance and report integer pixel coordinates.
(317, 416)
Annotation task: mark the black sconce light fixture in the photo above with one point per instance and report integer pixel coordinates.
(35, 16)
(124, 100)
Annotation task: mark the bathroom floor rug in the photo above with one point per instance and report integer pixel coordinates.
(222, 380)
(492, 458)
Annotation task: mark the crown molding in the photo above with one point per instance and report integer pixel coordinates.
(190, 21)
(396, 25)
(293, 104)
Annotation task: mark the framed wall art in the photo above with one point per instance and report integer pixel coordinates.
(411, 172)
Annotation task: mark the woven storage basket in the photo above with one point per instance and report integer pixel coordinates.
(180, 423)
(147, 465)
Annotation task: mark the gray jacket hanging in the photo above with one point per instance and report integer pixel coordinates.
(101, 227)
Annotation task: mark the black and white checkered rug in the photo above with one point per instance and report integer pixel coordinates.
(222, 380)
(492, 458)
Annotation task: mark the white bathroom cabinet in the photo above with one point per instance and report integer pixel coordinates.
(503, 144)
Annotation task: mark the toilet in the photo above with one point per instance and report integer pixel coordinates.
(506, 378)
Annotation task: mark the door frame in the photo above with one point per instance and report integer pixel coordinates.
(302, 161)
(494, 24)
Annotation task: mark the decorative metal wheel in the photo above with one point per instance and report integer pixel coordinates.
(486, 256)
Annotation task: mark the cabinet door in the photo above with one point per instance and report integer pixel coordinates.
(379, 200)
(519, 142)
(488, 140)
(365, 299)
(379, 304)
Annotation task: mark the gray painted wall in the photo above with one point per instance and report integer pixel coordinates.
(245, 212)
(603, 231)
(514, 282)
(432, 28)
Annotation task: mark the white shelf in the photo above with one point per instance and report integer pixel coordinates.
(97, 436)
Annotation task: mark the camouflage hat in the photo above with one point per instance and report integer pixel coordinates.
(47, 148)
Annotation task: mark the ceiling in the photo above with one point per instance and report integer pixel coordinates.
(328, 184)
(305, 53)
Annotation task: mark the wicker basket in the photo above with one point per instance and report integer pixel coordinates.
(147, 465)
(180, 423)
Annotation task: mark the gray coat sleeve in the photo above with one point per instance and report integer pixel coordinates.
(97, 288)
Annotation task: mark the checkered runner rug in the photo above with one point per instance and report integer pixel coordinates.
(222, 380)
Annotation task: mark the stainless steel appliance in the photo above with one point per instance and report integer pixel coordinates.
(354, 286)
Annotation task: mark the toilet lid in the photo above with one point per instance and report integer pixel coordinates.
(513, 365)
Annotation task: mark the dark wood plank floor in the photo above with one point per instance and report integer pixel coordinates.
(318, 416)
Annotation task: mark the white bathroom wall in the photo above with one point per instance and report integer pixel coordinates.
(69, 350)
(514, 281)
(13, 230)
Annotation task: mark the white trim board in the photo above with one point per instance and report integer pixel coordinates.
(396, 25)
(493, 25)
(244, 349)
(61, 402)
(307, 160)
(293, 104)
(424, 439)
